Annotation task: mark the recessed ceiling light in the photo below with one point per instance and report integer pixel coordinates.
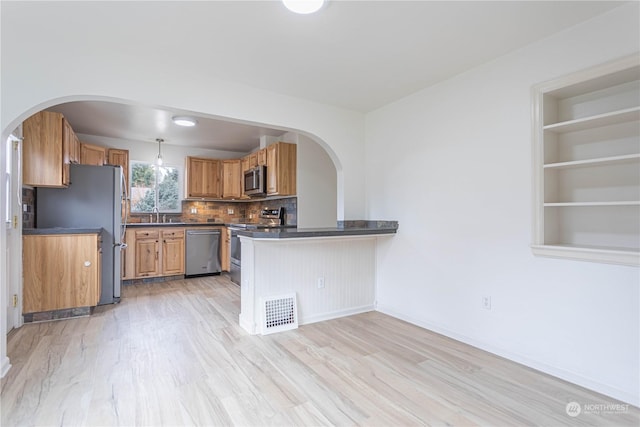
(184, 121)
(304, 7)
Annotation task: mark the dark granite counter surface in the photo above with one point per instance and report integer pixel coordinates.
(175, 224)
(60, 230)
(345, 228)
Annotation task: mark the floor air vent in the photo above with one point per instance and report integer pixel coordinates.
(279, 314)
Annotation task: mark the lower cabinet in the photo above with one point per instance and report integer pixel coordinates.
(61, 271)
(147, 253)
(153, 252)
(225, 249)
(172, 252)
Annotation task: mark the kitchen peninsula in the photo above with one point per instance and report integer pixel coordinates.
(330, 270)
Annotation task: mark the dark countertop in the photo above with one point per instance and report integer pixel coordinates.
(362, 228)
(176, 224)
(60, 230)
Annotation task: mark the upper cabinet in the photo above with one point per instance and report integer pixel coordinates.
(49, 146)
(203, 178)
(231, 179)
(92, 154)
(119, 157)
(281, 169)
(587, 165)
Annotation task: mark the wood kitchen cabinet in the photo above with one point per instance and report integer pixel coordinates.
(203, 178)
(92, 154)
(128, 263)
(231, 179)
(147, 253)
(281, 169)
(49, 146)
(61, 271)
(153, 252)
(172, 252)
(118, 157)
(225, 249)
(70, 143)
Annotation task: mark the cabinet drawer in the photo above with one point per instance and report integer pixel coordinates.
(147, 234)
(173, 234)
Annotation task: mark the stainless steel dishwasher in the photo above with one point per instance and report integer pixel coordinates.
(202, 254)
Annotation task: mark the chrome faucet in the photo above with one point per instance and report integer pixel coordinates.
(157, 212)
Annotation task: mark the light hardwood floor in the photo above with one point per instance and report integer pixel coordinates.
(173, 354)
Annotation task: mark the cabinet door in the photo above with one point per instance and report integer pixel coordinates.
(68, 138)
(203, 178)
(225, 250)
(147, 254)
(212, 178)
(262, 157)
(194, 177)
(60, 271)
(129, 256)
(120, 158)
(281, 169)
(42, 150)
(92, 154)
(231, 179)
(172, 256)
(272, 169)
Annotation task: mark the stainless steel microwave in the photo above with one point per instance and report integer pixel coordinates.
(255, 181)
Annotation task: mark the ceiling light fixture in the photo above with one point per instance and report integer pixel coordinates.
(303, 7)
(159, 158)
(184, 121)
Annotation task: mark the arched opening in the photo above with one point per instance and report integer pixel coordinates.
(319, 169)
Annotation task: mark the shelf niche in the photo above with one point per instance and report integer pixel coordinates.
(586, 165)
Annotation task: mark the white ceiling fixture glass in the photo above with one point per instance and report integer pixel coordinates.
(159, 158)
(303, 7)
(184, 121)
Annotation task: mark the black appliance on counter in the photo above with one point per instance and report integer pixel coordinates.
(269, 218)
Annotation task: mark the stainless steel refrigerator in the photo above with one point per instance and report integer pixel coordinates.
(92, 200)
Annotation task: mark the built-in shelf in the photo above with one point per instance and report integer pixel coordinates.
(619, 203)
(602, 161)
(587, 192)
(599, 120)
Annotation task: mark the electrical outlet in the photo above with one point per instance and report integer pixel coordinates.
(194, 210)
(320, 282)
(486, 302)
(230, 211)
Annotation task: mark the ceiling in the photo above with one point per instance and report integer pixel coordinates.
(358, 55)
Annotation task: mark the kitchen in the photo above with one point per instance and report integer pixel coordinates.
(153, 234)
(466, 220)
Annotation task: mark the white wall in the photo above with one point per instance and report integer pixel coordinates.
(458, 179)
(316, 183)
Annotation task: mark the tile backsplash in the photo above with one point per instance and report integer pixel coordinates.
(221, 211)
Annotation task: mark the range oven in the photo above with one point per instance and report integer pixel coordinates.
(269, 218)
(235, 253)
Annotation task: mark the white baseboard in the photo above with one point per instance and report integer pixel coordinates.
(335, 314)
(563, 374)
(4, 368)
(247, 326)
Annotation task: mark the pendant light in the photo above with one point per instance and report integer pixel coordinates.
(159, 158)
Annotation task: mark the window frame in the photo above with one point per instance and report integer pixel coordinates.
(155, 188)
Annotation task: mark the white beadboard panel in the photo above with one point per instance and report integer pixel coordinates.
(276, 267)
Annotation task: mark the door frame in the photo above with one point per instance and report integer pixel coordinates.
(14, 236)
